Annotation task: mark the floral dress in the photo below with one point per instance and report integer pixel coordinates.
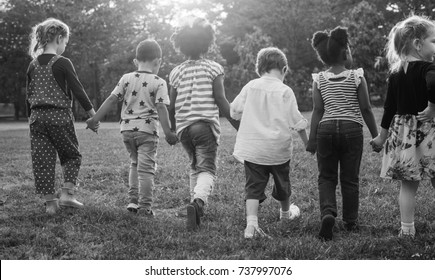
(410, 149)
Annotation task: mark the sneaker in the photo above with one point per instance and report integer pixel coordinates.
(403, 234)
(295, 212)
(51, 206)
(193, 217)
(252, 231)
(325, 233)
(351, 226)
(132, 207)
(147, 212)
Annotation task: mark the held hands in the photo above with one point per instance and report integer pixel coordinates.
(171, 138)
(377, 144)
(92, 125)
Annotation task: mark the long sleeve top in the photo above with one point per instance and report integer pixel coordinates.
(409, 93)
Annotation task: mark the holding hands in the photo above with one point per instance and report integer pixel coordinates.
(92, 125)
(377, 143)
(171, 138)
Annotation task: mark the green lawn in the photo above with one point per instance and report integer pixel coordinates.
(105, 230)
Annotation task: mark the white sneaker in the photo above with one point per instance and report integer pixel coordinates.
(132, 207)
(252, 231)
(294, 213)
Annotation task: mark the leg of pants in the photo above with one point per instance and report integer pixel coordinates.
(142, 148)
(43, 158)
(200, 144)
(257, 177)
(327, 161)
(350, 161)
(65, 142)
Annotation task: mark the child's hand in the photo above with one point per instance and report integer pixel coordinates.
(93, 125)
(427, 114)
(311, 147)
(377, 144)
(171, 138)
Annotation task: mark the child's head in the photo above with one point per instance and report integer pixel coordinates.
(332, 48)
(148, 50)
(269, 59)
(194, 37)
(47, 32)
(408, 38)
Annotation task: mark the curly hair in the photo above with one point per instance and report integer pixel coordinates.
(45, 32)
(330, 46)
(194, 37)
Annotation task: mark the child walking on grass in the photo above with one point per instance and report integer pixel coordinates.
(268, 113)
(144, 97)
(51, 83)
(408, 127)
(197, 93)
(341, 102)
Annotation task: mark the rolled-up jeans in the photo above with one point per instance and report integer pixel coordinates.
(200, 144)
(339, 143)
(142, 148)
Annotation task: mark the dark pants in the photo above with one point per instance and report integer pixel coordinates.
(48, 139)
(257, 177)
(339, 143)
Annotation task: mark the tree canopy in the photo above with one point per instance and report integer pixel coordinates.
(104, 35)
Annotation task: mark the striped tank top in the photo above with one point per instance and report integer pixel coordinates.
(193, 80)
(340, 94)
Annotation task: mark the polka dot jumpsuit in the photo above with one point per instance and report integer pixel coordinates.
(52, 130)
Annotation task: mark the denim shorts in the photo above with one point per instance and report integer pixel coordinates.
(200, 144)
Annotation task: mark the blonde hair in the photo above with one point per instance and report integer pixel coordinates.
(268, 59)
(45, 32)
(402, 36)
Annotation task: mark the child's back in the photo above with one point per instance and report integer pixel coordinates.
(269, 110)
(195, 101)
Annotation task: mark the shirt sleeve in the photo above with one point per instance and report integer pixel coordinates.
(390, 106)
(315, 77)
(430, 82)
(174, 77)
(238, 104)
(76, 86)
(162, 95)
(119, 90)
(359, 73)
(216, 70)
(297, 121)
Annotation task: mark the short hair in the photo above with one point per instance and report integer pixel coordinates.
(401, 37)
(194, 37)
(330, 46)
(270, 58)
(44, 33)
(148, 50)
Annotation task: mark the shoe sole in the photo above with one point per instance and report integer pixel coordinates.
(70, 204)
(132, 210)
(192, 218)
(326, 229)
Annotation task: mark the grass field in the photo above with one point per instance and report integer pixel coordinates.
(105, 230)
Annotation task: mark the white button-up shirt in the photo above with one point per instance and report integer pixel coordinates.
(268, 112)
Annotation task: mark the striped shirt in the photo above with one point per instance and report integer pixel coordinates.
(339, 94)
(193, 80)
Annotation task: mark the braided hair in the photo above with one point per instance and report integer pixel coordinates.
(44, 33)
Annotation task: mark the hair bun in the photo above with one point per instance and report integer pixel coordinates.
(339, 34)
(318, 37)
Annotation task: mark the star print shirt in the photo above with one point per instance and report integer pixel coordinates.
(139, 93)
(268, 114)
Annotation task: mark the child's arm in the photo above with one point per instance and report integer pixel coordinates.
(221, 100)
(102, 111)
(162, 111)
(317, 115)
(172, 97)
(378, 142)
(303, 135)
(427, 114)
(366, 109)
